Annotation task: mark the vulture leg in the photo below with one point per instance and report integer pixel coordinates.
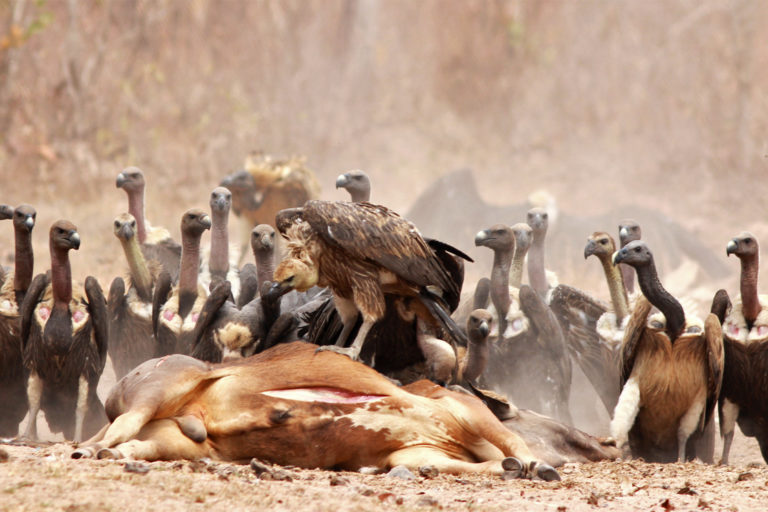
(353, 351)
(729, 412)
(34, 395)
(688, 424)
(82, 407)
(348, 314)
(625, 412)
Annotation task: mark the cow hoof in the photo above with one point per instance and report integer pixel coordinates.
(512, 466)
(108, 453)
(547, 472)
(82, 453)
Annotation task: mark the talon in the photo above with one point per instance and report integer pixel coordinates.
(547, 473)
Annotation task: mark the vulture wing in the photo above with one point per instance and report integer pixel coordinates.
(249, 285)
(97, 307)
(635, 330)
(33, 296)
(212, 305)
(377, 234)
(713, 337)
(721, 305)
(544, 320)
(116, 301)
(162, 291)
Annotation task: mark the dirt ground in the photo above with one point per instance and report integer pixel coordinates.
(46, 478)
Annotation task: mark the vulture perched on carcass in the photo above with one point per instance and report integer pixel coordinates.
(671, 372)
(64, 335)
(364, 253)
(13, 376)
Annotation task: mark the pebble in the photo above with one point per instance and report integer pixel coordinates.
(401, 472)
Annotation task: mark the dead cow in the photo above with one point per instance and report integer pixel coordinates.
(292, 406)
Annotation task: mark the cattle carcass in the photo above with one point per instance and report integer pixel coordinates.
(292, 406)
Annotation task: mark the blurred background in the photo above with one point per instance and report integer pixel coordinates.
(657, 103)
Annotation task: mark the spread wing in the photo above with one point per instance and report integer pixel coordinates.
(713, 336)
(635, 330)
(97, 307)
(377, 234)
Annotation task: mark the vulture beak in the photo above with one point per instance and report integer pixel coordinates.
(205, 220)
(29, 222)
(589, 249)
(618, 257)
(484, 328)
(342, 181)
(266, 241)
(120, 180)
(219, 202)
(277, 290)
(74, 239)
(126, 231)
(731, 247)
(481, 237)
(623, 232)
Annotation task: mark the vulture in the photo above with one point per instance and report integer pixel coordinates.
(745, 335)
(357, 183)
(13, 376)
(265, 186)
(528, 361)
(131, 341)
(156, 243)
(175, 310)
(671, 371)
(363, 251)
(593, 330)
(64, 338)
(538, 220)
(629, 231)
(217, 266)
(263, 246)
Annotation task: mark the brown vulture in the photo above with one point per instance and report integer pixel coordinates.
(357, 183)
(64, 337)
(156, 242)
(671, 372)
(13, 376)
(362, 252)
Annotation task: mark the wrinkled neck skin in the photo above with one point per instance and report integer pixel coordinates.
(136, 208)
(516, 273)
(536, 273)
(659, 297)
(190, 261)
(25, 260)
(749, 301)
(140, 276)
(500, 282)
(628, 275)
(616, 286)
(265, 266)
(61, 278)
(476, 358)
(219, 262)
(358, 196)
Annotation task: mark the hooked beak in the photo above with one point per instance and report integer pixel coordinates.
(589, 250)
(126, 231)
(481, 237)
(266, 241)
(617, 257)
(120, 180)
(206, 221)
(74, 239)
(29, 222)
(219, 203)
(623, 232)
(484, 328)
(277, 290)
(731, 247)
(342, 181)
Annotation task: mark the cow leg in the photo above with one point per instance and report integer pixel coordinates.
(159, 440)
(119, 431)
(34, 395)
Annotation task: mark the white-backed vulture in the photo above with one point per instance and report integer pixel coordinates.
(629, 231)
(156, 242)
(13, 376)
(745, 334)
(64, 335)
(671, 371)
(218, 266)
(362, 251)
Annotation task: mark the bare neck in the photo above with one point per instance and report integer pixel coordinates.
(476, 357)
(628, 276)
(500, 282)
(61, 278)
(615, 281)
(516, 273)
(141, 279)
(190, 262)
(536, 272)
(358, 196)
(265, 266)
(749, 300)
(136, 208)
(649, 283)
(219, 262)
(25, 260)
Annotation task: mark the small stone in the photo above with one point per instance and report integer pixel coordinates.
(703, 503)
(4, 457)
(562, 508)
(337, 480)
(593, 499)
(367, 492)
(259, 467)
(667, 505)
(281, 476)
(688, 490)
(428, 471)
(401, 472)
(745, 476)
(197, 466)
(427, 501)
(136, 467)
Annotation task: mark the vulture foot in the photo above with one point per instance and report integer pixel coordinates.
(350, 352)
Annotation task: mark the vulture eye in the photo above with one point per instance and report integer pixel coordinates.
(603, 241)
(747, 241)
(545, 215)
(117, 223)
(637, 249)
(133, 223)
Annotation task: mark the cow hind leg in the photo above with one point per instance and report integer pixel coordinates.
(158, 440)
(119, 431)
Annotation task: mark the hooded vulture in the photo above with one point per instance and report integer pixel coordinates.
(363, 251)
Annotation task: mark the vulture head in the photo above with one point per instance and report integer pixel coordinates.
(6, 212)
(538, 219)
(479, 325)
(124, 226)
(600, 244)
(357, 183)
(63, 236)
(629, 231)
(24, 218)
(523, 236)
(263, 239)
(221, 200)
(131, 180)
(194, 222)
(497, 238)
(245, 195)
(743, 246)
(294, 274)
(635, 254)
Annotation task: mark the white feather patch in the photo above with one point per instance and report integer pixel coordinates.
(626, 410)
(735, 326)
